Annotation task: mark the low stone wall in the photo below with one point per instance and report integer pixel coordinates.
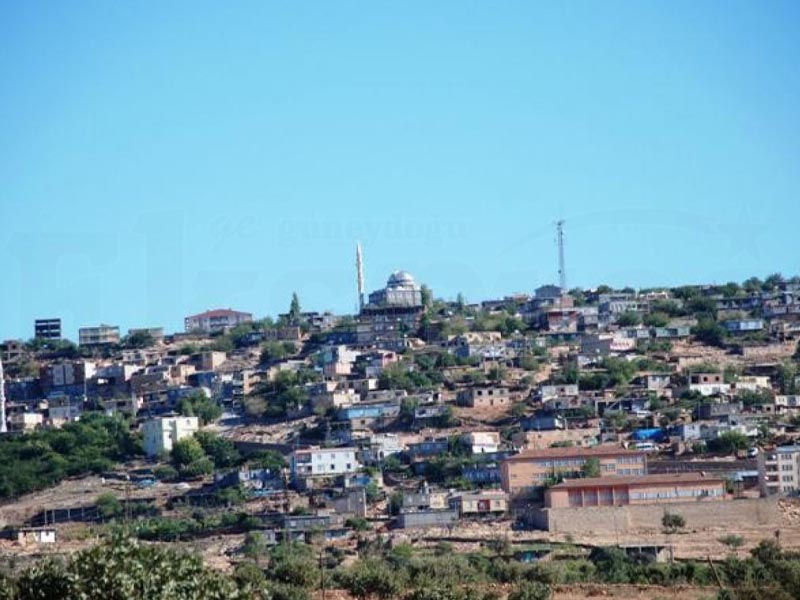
(698, 515)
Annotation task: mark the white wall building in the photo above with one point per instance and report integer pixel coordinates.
(323, 462)
(217, 320)
(161, 433)
(479, 442)
(779, 470)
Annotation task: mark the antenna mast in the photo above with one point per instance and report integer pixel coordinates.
(3, 426)
(562, 272)
(360, 277)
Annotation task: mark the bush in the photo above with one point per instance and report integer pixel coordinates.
(123, 568)
(109, 506)
(672, 522)
(530, 590)
(165, 473)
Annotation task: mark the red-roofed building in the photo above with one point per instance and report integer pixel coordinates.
(215, 321)
(645, 489)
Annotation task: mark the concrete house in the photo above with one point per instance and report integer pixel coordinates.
(485, 397)
(161, 433)
(323, 462)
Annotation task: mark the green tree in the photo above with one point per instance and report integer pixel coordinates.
(656, 319)
(220, 450)
(731, 540)
(729, 442)
(201, 406)
(109, 506)
(709, 332)
(628, 319)
(591, 468)
(255, 545)
(273, 351)
(373, 577)
(139, 339)
(427, 296)
(186, 452)
(672, 522)
(294, 310)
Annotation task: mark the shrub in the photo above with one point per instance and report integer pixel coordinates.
(530, 590)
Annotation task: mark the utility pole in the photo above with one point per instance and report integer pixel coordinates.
(322, 572)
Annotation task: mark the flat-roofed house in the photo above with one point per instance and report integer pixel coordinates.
(217, 320)
(485, 397)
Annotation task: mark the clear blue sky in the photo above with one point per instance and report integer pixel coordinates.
(161, 158)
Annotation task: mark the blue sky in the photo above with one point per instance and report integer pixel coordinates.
(161, 158)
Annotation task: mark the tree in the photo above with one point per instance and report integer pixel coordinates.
(201, 406)
(426, 296)
(709, 332)
(186, 451)
(461, 304)
(371, 577)
(628, 319)
(255, 545)
(656, 319)
(268, 459)
(220, 450)
(139, 339)
(294, 310)
(591, 468)
(273, 351)
(109, 506)
(732, 541)
(672, 522)
(729, 442)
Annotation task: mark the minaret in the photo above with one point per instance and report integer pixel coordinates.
(562, 271)
(3, 426)
(360, 277)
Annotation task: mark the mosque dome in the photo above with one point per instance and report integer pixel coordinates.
(401, 279)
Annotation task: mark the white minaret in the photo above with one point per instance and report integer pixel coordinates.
(360, 276)
(3, 426)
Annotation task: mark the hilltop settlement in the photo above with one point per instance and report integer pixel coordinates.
(660, 422)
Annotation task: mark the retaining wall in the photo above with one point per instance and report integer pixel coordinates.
(698, 515)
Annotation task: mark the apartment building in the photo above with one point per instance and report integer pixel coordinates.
(528, 471)
(47, 329)
(102, 335)
(215, 321)
(779, 470)
(708, 384)
(642, 489)
(323, 462)
(161, 433)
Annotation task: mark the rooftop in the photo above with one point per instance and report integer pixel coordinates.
(608, 450)
(217, 312)
(637, 480)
